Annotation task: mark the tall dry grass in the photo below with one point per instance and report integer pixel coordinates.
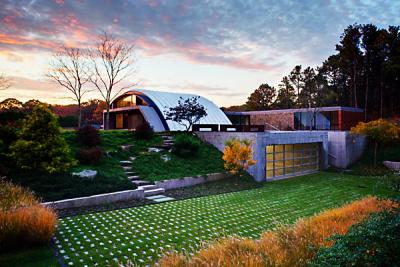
(287, 246)
(23, 221)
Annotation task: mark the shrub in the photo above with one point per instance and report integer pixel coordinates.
(392, 181)
(287, 246)
(68, 121)
(90, 155)
(238, 155)
(8, 135)
(40, 145)
(380, 132)
(89, 136)
(374, 242)
(186, 145)
(144, 131)
(23, 221)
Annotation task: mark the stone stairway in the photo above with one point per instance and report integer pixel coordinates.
(151, 191)
(168, 141)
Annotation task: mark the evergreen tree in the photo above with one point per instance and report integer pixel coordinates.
(286, 95)
(262, 98)
(40, 145)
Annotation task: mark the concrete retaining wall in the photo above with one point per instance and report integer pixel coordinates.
(262, 139)
(96, 199)
(345, 148)
(189, 181)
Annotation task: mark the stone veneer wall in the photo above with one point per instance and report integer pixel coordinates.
(262, 139)
(282, 121)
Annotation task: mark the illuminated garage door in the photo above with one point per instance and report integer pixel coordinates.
(291, 160)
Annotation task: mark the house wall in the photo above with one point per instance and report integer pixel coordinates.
(348, 119)
(345, 148)
(282, 121)
(262, 139)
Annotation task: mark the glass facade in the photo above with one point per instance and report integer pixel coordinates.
(129, 101)
(291, 159)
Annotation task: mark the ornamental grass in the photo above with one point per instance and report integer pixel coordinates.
(23, 221)
(287, 246)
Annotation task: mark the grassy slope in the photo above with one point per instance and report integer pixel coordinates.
(365, 165)
(111, 176)
(151, 167)
(60, 186)
(138, 233)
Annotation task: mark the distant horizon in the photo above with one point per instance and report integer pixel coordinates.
(222, 51)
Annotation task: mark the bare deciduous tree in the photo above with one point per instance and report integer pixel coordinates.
(5, 82)
(112, 63)
(70, 69)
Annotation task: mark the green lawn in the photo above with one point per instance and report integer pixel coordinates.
(37, 257)
(142, 234)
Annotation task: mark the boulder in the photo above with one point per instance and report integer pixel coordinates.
(86, 174)
(394, 165)
(154, 149)
(165, 158)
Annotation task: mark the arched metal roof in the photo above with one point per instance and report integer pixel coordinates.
(165, 100)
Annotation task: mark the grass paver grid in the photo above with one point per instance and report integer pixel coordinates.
(143, 234)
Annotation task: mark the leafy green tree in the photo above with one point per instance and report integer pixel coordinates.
(40, 145)
(351, 59)
(286, 95)
(308, 93)
(188, 112)
(380, 132)
(262, 98)
(297, 79)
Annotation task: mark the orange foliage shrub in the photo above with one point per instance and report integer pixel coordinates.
(23, 221)
(238, 155)
(287, 246)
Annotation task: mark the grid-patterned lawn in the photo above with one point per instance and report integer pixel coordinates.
(142, 234)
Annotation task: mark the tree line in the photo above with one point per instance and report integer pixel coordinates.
(363, 73)
(12, 111)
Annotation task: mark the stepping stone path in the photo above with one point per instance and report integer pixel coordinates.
(168, 141)
(151, 191)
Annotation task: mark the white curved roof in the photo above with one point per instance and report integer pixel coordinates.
(165, 100)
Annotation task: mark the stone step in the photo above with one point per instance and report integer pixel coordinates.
(133, 177)
(126, 147)
(163, 199)
(127, 168)
(132, 158)
(153, 192)
(130, 173)
(125, 162)
(140, 182)
(148, 187)
(159, 198)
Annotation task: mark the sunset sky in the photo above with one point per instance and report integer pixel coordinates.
(219, 49)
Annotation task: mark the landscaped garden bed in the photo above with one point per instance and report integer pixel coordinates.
(142, 234)
(110, 178)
